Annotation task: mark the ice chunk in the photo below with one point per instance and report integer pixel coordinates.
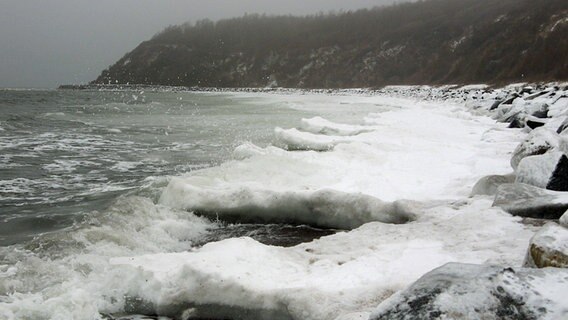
(467, 291)
(320, 125)
(322, 208)
(293, 139)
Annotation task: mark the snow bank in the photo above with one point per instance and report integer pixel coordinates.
(328, 278)
(320, 125)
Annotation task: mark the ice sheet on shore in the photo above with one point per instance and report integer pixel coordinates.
(327, 278)
(322, 208)
(320, 125)
(294, 139)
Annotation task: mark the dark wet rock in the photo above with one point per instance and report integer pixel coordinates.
(539, 141)
(283, 235)
(518, 121)
(488, 185)
(524, 200)
(534, 123)
(496, 104)
(559, 178)
(467, 291)
(548, 247)
(512, 98)
(549, 171)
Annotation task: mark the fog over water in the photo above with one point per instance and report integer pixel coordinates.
(47, 43)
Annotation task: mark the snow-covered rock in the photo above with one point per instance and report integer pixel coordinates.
(467, 291)
(539, 141)
(549, 171)
(549, 247)
(529, 201)
(488, 185)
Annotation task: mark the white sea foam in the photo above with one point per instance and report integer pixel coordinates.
(78, 283)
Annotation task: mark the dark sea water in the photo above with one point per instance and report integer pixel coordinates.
(64, 154)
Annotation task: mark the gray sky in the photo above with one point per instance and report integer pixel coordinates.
(44, 43)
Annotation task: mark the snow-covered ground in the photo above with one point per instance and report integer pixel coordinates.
(397, 181)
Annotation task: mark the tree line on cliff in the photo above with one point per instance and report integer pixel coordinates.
(425, 42)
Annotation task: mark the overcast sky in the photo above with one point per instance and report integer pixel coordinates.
(44, 43)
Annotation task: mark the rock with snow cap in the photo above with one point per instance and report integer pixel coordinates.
(548, 247)
(539, 141)
(524, 200)
(468, 291)
(549, 171)
(488, 185)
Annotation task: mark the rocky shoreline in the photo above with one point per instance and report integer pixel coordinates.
(537, 189)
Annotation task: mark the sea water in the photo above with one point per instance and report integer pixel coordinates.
(81, 173)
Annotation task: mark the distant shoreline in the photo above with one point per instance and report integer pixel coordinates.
(392, 89)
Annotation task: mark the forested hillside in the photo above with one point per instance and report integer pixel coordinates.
(426, 42)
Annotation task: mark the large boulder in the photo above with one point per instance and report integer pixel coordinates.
(549, 171)
(539, 141)
(518, 113)
(524, 200)
(488, 185)
(548, 247)
(467, 291)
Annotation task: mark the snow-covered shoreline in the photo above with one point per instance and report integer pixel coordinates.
(413, 159)
(344, 276)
